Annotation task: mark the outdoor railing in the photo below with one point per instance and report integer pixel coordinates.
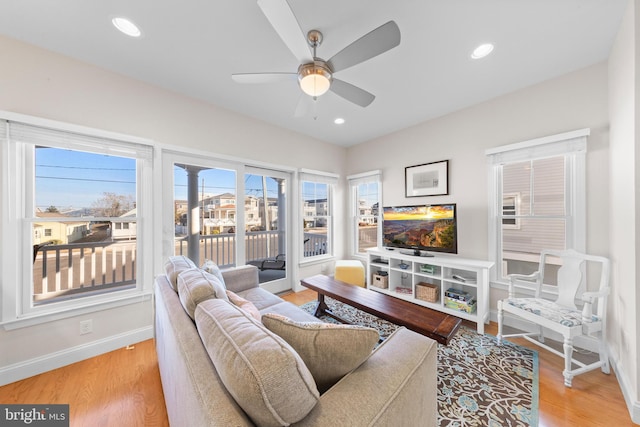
(220, 248)
(64, 271)
(263, 244)
(314, 244)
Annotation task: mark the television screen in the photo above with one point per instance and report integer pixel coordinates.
(421, 228)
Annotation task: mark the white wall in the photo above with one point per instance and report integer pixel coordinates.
(574, 101)
(44, 84)
(577, 100)
(624, 89)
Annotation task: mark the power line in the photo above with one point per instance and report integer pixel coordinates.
(85, 179)
(86, 168)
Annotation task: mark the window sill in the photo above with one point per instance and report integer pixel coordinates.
(316, 260)
(39, 318)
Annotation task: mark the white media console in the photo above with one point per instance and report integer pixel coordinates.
(426, 280)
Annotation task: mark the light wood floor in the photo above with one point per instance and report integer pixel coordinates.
(122, 388)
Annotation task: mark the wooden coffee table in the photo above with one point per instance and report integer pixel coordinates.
(431, 323)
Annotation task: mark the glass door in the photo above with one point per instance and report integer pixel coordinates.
(204, 210)
(266, 240)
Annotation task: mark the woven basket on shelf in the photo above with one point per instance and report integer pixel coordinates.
(427, 292)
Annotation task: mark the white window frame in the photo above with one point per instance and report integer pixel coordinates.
(571, 145)
(354, 182)
(205, 160)
(18, 191)
(307, 175)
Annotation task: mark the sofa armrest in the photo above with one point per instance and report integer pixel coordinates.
(396, 385)
(241, 278)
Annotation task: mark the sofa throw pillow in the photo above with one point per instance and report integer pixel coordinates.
(196, 285)
(244, 304)
(265, 376)
(330, 351)
(212, 268)
(174, 265)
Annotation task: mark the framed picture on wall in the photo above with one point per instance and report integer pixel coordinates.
(429, 179)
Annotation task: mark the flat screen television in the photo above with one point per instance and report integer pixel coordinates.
(421, 228)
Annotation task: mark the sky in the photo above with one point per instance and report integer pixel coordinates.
(219, 181)
(74, 179)
(66, 178)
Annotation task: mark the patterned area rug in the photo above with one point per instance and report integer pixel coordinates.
(480, 383)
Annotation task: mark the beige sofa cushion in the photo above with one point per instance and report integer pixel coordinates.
(196, 285)
(330, 351)
(260, 370)
(212, 268)
(244, 304)
(174, 265)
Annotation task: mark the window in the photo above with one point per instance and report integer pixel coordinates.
(74, 189)
(204, 203)
(266, 201)
(316, 190)
(538, 202)
(365, 197)
(510, 211)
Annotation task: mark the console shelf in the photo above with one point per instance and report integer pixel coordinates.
(444, 283)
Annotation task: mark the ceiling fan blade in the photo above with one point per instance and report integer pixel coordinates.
(378, 41)
(351, 93)
(282, 19)
(263, 77)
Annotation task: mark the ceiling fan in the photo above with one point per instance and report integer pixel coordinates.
(315, 75)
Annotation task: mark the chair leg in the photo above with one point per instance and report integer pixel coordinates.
(540, 334)
(500, 320)
(568, 355)
(604, 357)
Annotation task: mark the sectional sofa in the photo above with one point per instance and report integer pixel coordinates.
(233, 354)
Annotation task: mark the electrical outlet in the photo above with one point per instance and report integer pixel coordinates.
(86, 327)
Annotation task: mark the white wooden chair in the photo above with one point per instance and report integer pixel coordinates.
(587, 319)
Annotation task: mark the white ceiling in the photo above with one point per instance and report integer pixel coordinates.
(193, 47)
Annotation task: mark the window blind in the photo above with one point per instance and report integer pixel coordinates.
(318, 176)
(37, 135)
(556, 145)
(365, 178)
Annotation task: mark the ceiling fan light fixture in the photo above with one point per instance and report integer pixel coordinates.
(314, 78)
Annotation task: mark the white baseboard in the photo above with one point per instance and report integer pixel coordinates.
(38, 365)
(627, 391)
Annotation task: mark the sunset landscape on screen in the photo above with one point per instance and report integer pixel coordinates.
(419, 213)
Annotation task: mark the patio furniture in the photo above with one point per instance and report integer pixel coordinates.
(277, 263)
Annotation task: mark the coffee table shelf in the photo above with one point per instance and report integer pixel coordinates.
(461, 283)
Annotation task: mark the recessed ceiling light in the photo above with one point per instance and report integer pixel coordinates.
(482, 51)
(339, 121)
(126, 26)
